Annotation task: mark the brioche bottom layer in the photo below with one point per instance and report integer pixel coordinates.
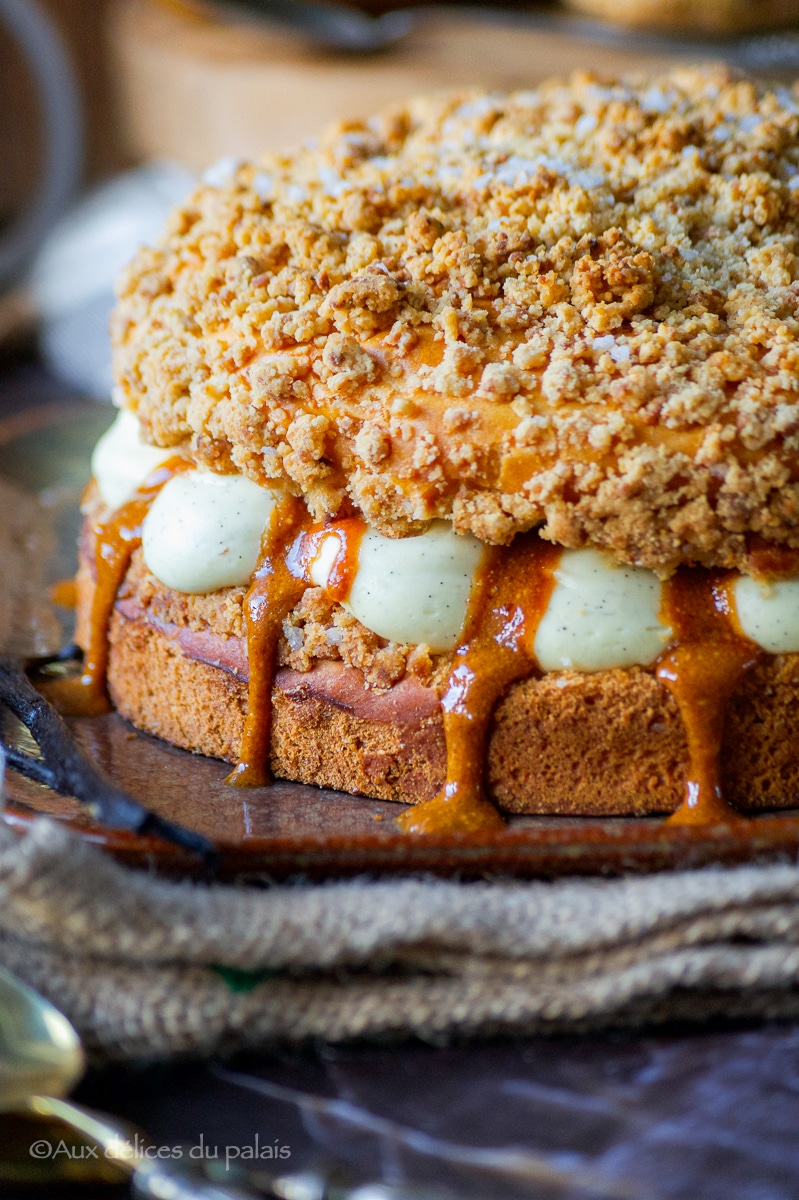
(609, 743)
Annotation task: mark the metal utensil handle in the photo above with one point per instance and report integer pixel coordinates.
(152, 1178)
(64, 767)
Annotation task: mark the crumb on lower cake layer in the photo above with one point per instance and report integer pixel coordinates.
(317, 629)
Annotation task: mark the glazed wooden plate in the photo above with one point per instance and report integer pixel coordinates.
(292, 829)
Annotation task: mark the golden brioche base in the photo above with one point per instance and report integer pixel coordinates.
(202, 708)
(610, 743)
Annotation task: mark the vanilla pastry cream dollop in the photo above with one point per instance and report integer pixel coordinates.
(600, 615)
(204, 532)
(768, 613)
(121, 461)
(413, 589)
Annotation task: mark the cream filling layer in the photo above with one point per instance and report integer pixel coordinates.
(768, 613)
(413, 589)
(204, 532)
(121, 461)
(601, 615)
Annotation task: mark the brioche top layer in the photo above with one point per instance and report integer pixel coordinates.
(576, 306)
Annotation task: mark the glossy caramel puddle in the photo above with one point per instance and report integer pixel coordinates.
(510, 598)
(64, 593)
(702, 668)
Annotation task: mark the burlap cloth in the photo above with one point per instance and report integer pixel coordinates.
(147, 968)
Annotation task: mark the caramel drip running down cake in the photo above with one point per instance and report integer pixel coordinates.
(457, 460)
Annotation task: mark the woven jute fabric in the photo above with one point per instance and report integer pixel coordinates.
(149, 968)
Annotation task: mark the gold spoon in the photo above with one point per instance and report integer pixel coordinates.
(41, 1060)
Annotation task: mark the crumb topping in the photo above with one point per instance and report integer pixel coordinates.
(575, 307)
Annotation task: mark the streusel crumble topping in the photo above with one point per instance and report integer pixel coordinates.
(574, 307)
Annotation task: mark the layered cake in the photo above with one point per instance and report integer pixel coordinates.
(458, 459)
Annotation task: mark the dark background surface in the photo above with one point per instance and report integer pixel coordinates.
(694, 1115)
(674, 1115)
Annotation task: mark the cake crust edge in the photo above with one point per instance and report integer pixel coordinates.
(570, 744)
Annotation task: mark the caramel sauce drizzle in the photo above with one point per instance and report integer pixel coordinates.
(272, 594)
(349, 534)
(510, 597)
(702, 669)
(116, 538)
(64, 593)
